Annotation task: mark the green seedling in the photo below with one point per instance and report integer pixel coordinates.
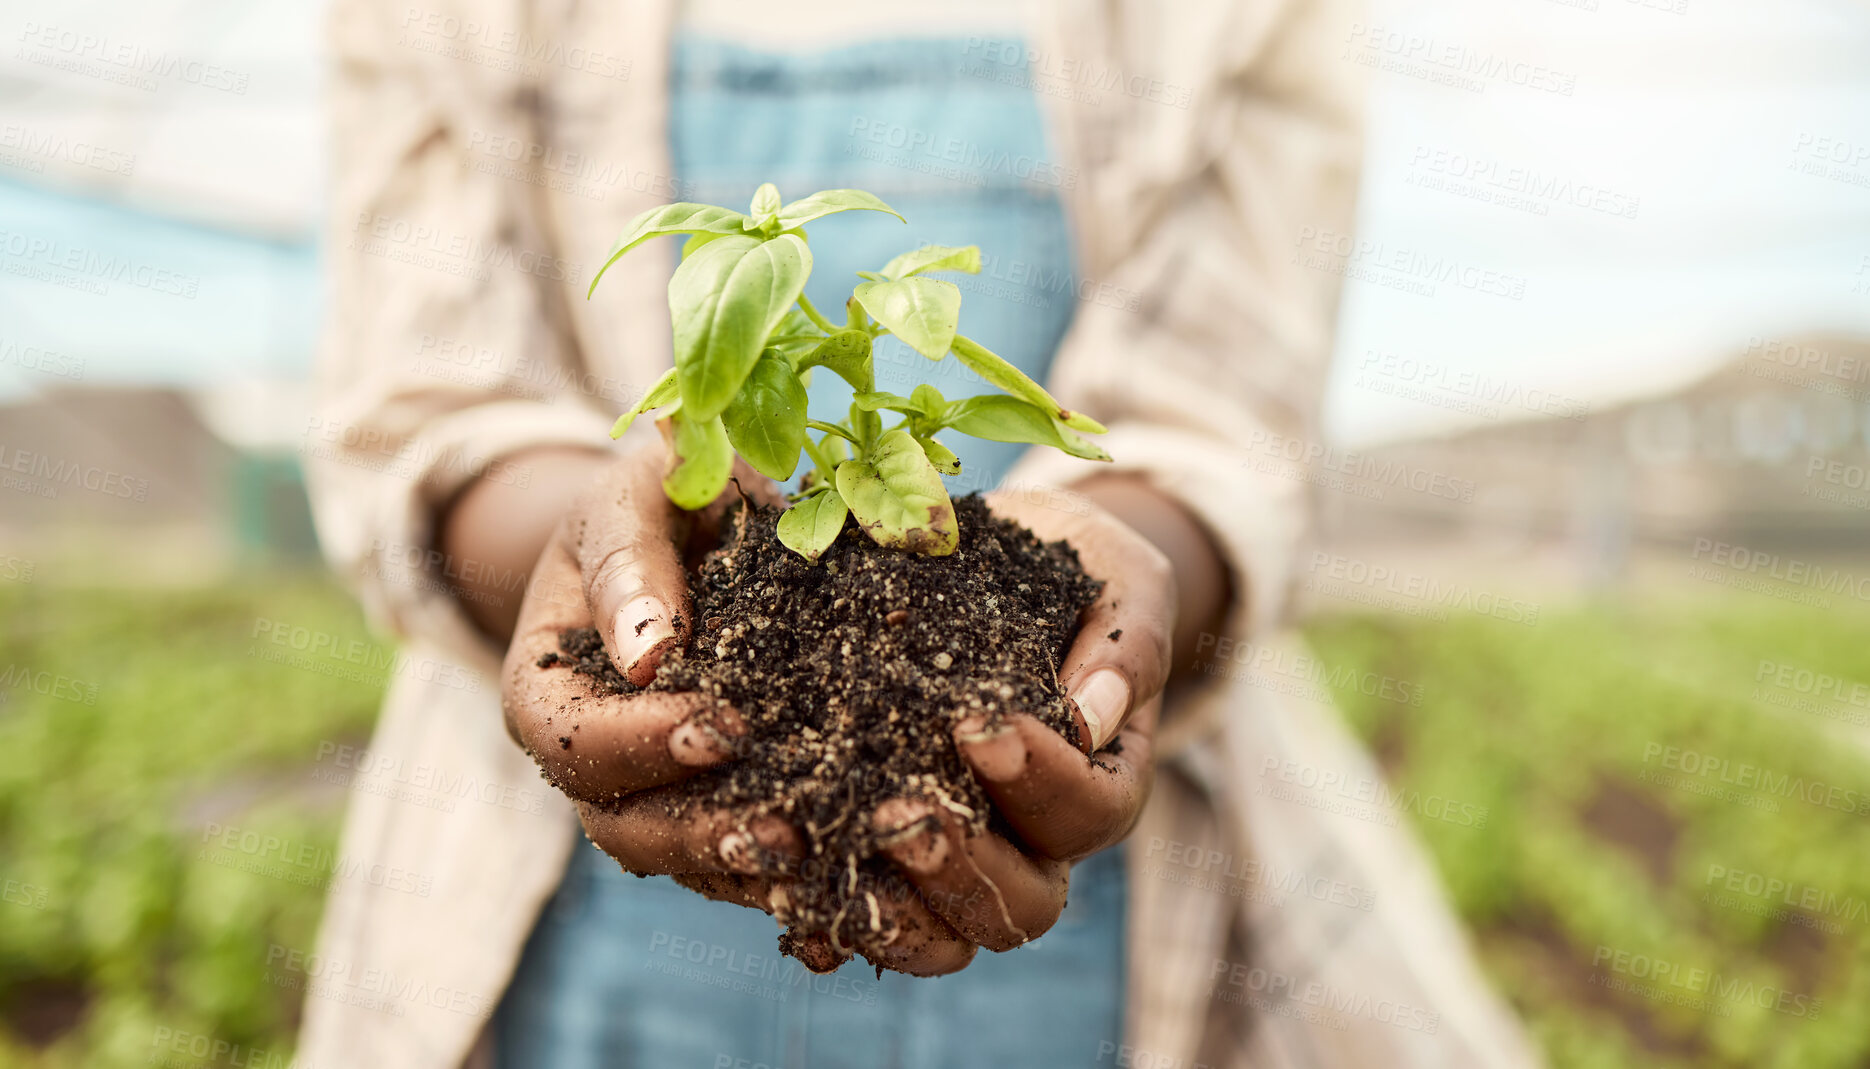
(747, 340)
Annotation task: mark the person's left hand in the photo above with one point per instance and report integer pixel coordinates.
(987, 890)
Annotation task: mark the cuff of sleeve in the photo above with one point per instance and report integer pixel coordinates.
(378, 508)
(1256, 518)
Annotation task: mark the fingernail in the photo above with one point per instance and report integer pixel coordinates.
(998, 753)
(739, 853)
(642, 625)
(699, 745)
(1103, 698)
(922, 853)
(781, 903)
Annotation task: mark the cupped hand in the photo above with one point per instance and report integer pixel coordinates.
(1060, 804)
(616, 563)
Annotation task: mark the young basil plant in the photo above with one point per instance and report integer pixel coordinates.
(746, 337)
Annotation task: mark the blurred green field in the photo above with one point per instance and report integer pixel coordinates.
(1644, 790)
(121, 924)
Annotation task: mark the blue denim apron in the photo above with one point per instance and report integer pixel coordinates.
(623, 971)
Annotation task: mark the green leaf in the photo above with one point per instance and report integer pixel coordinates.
(669, 219)
(809, 527)
(724, 302)
(766, 420)
(995, 369)
(765, 204)
(694, 242)
(825, 202)
(940, 456)
(846, 353)
(702, 461)
(923, 312)
(929, 400)
(1008, 419)
(662, 393)
(934, 258)
(895, 402)
(898, 498)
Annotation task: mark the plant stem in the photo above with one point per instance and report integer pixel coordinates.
(811, 313)
(832, 428)
(821, 462)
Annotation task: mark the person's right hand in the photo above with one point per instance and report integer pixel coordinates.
(618, 562)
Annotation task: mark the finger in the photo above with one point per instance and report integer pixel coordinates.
(981, 885)
(627, 542)
(594, 744)
(1059, 803)
(914, 940)
(648, 840)
(1120, 659)
(754, 892)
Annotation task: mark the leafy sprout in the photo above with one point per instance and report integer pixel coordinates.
(746, 339)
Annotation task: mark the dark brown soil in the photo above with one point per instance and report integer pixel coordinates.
(851, 675)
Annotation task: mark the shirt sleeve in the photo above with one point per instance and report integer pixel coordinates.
(1202, 337)
(445, 347)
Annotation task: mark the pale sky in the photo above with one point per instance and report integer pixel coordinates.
(1655, 216)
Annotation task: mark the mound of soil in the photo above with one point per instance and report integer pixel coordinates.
(850, 675)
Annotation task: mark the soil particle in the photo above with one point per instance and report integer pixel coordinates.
(1115, 635)
(843, 714)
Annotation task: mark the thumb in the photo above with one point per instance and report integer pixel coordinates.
(627, 539)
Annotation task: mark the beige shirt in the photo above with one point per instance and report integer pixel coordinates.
(1270, 924)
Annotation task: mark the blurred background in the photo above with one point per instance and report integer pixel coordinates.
(1595, 501)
